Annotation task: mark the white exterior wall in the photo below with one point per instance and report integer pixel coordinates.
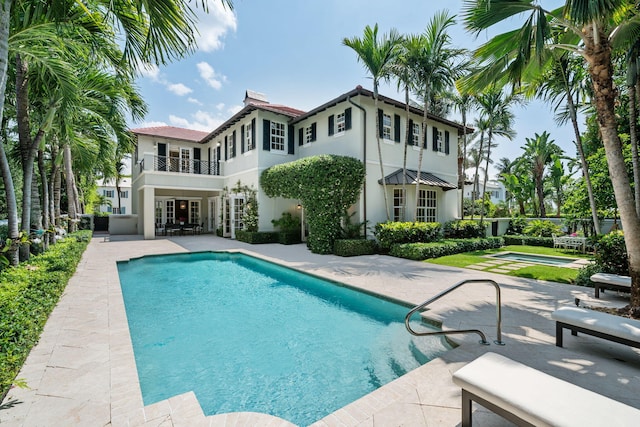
(125, 199)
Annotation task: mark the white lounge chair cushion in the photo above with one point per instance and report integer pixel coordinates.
(611, 279)
(606, 323)
(538, 398)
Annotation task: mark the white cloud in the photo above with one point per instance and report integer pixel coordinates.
(149, 70)
(213, 26)
(179, 89)
(209, 75)
(234, 109)
(151, 124)
(220, 106)
(194, 101)
(202, 120)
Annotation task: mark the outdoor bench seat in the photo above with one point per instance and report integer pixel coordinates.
(528, 397)
(602, 325)
(611, 281)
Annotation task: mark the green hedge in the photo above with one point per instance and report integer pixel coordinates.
(354, 247)
(422, 251)
(289, 237)
(257, 237)
(464, 229)
(391, 233)
(28, 294)
(528, 240)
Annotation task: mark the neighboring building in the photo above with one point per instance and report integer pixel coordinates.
(186, 175)
(494, 188)
(108, 189)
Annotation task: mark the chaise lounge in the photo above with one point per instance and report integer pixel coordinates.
(610, 281)
(528, 397)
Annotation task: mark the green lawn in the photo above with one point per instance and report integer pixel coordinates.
(541, 272)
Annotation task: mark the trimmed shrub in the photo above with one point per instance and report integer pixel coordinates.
(528, 240)
(28, 294)
(289, 237)
(391, 233)
(422, 251)
(354, 247)
(464, 229)
(541, 228)
(611, 254)
(257, 237)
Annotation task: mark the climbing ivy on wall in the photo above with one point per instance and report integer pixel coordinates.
(326, 185)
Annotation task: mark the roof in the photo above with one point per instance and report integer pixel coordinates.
(426, 178)
(172, 133)
(248, 109)
(359, 90)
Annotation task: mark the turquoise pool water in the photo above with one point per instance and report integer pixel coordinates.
(248, 335)
(540, 259)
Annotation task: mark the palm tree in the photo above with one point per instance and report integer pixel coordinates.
(436, 69)
(591, 29)
(494, 107)
(377, 55)
(538, 153)
(481, 125)
(463, 103)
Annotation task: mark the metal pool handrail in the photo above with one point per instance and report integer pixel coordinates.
(460, 331)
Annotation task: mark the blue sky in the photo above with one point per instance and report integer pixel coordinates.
(292, 51)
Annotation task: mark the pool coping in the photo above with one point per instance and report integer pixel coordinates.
(82, 372)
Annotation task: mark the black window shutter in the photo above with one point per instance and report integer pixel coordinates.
(196, 158)
(242, 139)
(292, 144)
(410, 131)
(233, 144)
(301, 136)
(253, 133)
(435, 139)
(347, 118)
(226, 149)
(380, 117)
(313, 131)
(396, 128)
(446, 142)
(331, 120)
(162, 152)
(209, 161)
(216, 166)
(266, 135)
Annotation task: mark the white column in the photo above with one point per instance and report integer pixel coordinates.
(148, 214)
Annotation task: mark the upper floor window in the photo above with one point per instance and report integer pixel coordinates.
(415, 134)
(124, 194)
(340, 123)
(277, 136)
(108, 193)
(248, 132)
(308, 135)
(440, 141)
(386, 126)
(231, 147)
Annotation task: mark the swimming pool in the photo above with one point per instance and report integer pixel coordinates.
(248, 335)
(539, 259)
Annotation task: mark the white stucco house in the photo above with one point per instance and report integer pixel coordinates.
(108, 189)
(184, 175)
(495, 189)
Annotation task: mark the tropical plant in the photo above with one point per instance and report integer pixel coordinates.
(591, 29)
(377, 55)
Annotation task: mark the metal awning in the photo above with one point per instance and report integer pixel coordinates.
(426, 178)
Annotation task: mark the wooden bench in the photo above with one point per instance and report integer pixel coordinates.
(602, 325)
(528, 397)
(611, 281)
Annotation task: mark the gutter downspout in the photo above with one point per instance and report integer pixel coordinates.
(364, 161)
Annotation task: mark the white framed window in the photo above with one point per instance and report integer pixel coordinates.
(308, 134)
(415, 134)
(277, 136)
(386, 126)
(185, 160)
(171, 210)
(238, 213)
(119, 211)
(158, 212)
(440, 141)
(427, 206)
(248, 129)
(398, 204)
(108, 193)
(124, 194)
(230, 151)
(194, 211)
(341, 124)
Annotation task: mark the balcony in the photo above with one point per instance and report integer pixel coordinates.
(171, 164)
(168, 172)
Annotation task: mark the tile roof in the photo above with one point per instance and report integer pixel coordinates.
(426, 178)
(172, 132)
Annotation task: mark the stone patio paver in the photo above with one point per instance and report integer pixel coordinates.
(82, 372)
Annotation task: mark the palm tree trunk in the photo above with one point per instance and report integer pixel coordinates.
(486, 172)
(71, 192)
(599, 57)
(462, 156)
(633, 140)
(476, 183)
(384, 184)
(583, 161)
(425, 116)
(45, 199)
(409, 134)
